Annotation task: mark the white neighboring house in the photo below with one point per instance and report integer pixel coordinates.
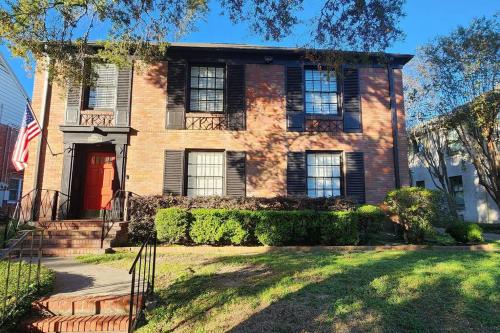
(473, 201)
(13, 99)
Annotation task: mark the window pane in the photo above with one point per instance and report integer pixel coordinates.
(320, 92)
(207, 83)
(205, 173)
(102, 94)
(323, 175)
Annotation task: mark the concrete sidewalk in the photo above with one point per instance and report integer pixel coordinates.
(78, 279)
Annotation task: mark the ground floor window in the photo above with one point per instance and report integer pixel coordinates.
(205, 174)
(323, 174)
(14, 189)
(420, 183)
(457, 188)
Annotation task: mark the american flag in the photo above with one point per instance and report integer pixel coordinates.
(28, 131)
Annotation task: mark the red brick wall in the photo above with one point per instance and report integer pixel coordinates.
(266, 140)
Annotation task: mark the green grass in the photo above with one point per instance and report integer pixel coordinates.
(27, 291)
(386, 291)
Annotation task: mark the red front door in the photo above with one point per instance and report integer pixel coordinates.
(99, 180)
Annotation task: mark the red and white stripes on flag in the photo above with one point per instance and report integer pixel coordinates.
(28, 131)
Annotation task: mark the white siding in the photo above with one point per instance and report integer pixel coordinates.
(12, 97)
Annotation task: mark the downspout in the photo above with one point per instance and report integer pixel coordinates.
(394, 121)
(43, 108)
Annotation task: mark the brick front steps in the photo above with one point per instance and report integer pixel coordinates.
(77, 237)
(79, 314)
(96, 323)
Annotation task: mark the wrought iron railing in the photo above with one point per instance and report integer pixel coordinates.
(97, 118)
(206, 122)
(37, 205)
(21, 264)
(116, 210)
(143, 280)
(324, 125)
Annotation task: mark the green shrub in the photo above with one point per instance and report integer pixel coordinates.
(417, 209)
(221, 226)
(370, 221)
(465, 232)
(306, 228)
(339, 228)
(172, 225)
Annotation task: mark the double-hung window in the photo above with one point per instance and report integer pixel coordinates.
(205, 174)
(101, 94)
(323, 174)
(457, 188)
(454, 145)
(321, 92)
(14, 189)
(206, 89)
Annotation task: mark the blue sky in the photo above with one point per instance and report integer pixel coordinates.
(425, 19)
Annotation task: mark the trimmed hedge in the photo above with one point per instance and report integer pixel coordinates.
(172, 225)
(370, 221)
(244, 227)
(143, 209)
(465, 232)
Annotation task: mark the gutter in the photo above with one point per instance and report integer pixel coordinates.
(394, 121)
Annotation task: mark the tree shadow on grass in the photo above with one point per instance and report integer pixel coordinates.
(332, 292)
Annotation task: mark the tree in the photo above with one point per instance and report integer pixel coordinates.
(62, 29)
(460, 74)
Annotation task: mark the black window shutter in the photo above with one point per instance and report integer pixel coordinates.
(352, 104)
(296, 174)
(355, 176)
(176, 94)
(73, 103)
(294, 99)
(173, 173)
(124, 81)
(236, 97)
(235, 174)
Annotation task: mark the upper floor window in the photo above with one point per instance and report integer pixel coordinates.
(321, 92)
(454, 145)
(15, 185)
(102, 93)
(457, 188)
(323, 175)
(206, 89)
(205, 174)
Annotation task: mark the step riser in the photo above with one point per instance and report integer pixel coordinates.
(84, 306)
(68, 242)
(80, 324)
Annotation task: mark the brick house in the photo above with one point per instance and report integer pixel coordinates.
(234, 120)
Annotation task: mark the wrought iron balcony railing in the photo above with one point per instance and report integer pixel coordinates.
(324, 125)
(203, 121)
(97, 118)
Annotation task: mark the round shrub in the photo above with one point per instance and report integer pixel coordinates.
(273, 228)
(172, 225)
(417, 209)
(465, 232)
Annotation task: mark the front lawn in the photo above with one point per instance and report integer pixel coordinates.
(389, 291)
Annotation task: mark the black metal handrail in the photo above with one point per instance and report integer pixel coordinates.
(37, 205)
(116, 210)
(18, 255)
(143, 280)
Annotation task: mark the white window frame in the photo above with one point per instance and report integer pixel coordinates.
(19, 189)
(319, 177)
(110, 84)
(211, 181)
(321, 92)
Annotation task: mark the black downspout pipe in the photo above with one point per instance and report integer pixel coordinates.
(394, 120)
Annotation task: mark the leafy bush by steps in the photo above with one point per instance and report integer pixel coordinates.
(172, 225)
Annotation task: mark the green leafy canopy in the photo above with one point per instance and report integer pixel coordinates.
(62, 30)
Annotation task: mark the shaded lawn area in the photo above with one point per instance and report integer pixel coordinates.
(389, 291)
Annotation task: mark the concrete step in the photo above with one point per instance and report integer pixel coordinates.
(83, 305)
(78, 225)
(63, 252)
(89, 234)
(63, 324)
